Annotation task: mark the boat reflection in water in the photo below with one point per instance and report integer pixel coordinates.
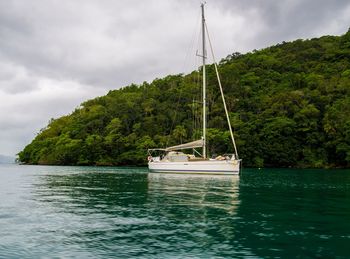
(195, 192)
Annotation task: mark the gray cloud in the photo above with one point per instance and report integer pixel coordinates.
(55, 54)
(16, 79)
(87, 41)
(276, 21)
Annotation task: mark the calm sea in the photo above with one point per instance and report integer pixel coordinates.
(89, 212)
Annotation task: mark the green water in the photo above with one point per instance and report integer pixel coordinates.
(89, 212)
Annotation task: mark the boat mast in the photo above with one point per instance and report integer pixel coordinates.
(204, 85)
(222, 95)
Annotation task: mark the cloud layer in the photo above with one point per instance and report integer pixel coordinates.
(56, 54)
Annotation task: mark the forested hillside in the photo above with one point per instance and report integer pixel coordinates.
(290, 107)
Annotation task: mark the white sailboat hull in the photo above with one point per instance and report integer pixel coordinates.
(226, 167)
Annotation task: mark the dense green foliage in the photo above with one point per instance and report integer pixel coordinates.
(290, 106)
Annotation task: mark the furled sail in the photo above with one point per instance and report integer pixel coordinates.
(193, 144)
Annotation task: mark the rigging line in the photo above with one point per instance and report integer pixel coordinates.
(195, 81)
(198, 94)
(191, 46)
(186, 61)
(222, 92)
(197, 78)
(174, 119)
(187, 57)
(197, 84)
(193, 119)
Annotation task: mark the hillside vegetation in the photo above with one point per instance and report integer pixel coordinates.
(290, 107)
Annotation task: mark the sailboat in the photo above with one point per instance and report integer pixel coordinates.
(173, 160)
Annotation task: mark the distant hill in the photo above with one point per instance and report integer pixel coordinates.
(289, 104)
(6, 160)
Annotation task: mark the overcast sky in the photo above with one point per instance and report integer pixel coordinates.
(54, 54)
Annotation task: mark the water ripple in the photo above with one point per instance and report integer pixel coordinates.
(89, 212)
